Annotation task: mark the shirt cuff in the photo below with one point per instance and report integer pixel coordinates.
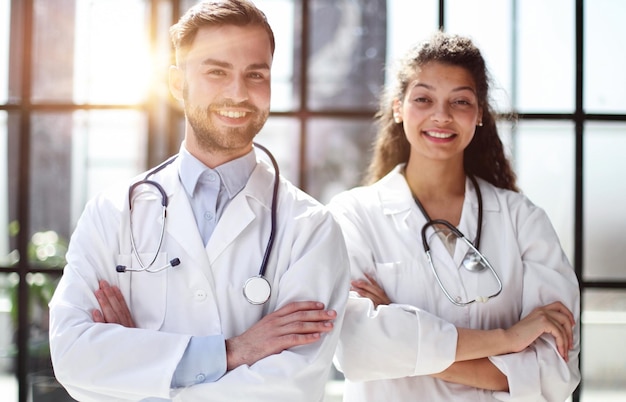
(204, 360)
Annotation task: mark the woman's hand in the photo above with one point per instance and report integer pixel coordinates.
(370, 289)
(554, 319)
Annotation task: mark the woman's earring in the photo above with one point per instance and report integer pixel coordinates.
(397, 118)
(480, 124)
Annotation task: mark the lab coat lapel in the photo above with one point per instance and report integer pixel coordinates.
(239, 213)
(181, 223)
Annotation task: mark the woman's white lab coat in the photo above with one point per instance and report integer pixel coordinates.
(388, 353)
(201, 296)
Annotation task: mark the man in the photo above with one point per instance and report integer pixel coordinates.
(150, 305)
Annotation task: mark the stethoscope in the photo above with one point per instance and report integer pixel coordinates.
(473, 261)
(256, 289)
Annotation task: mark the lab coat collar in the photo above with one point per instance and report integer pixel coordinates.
(395, 195)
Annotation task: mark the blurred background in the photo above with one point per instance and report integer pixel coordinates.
(84, 103)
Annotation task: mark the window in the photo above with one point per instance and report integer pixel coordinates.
(84, 103)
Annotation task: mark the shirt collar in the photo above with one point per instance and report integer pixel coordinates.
(233, 174)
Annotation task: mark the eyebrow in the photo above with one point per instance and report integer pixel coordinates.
(457, 89)
(223, 64)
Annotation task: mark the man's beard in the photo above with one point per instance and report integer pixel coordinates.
(211, 137)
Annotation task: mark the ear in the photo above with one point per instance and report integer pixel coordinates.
(397, 110)
(176, 82)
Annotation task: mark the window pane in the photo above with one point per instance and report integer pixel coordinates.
(281, 15)
(108, 146)
(338, 153)
(409, 22)
(347, 53)
(605, 59)
(491, 32)
(281, 136)
(604, 327)
(104, 57)
(604, 201)
(546, 59)
(51, 179)
(8, 326)
(5, 14)
(544, 162)
(6, 257)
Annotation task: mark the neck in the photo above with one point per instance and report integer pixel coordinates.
(435, 181)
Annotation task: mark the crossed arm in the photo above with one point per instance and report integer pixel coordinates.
(471, 366)
(297, 323)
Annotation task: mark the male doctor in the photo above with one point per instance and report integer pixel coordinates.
(171, 322)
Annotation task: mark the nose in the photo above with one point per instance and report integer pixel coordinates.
(237, 90)
(441, 113)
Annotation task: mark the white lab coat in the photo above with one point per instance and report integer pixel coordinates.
(201, 296)
(387, 353)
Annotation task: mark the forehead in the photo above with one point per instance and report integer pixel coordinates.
(240, 46)
(438, 75)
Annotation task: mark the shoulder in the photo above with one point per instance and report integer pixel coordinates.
(520, 209)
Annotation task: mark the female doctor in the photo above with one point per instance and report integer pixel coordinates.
(432, 316)
(204, 321)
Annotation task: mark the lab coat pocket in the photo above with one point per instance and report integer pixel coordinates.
(145, 290)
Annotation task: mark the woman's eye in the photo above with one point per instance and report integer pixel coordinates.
(421, 100)
(462, 102)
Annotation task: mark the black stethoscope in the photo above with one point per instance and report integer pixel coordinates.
(256, 289)
(473, 261)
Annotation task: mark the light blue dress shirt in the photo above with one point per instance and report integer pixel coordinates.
(209, 192)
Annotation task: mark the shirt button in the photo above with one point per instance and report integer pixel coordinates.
(208, 216)
(200, 378)
(458, 299)
(199, 295)
(211, 177)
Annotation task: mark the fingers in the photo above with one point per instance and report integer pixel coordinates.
(372, 290)
(554, 319)
(113, 306)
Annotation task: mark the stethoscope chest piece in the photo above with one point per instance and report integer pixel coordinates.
(472, 262)
(257, 290)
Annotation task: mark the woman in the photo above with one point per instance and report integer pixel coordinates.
(502, 327)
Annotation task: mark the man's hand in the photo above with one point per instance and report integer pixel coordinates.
(113, 308)
(297, 323)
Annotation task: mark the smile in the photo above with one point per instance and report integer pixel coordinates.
(232, 114)
(437, 134)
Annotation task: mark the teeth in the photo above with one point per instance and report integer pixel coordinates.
(438, 134)
(232, 114)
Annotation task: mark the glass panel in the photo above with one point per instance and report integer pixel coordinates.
(544, 162)
(347, 53)
(43, 385)
(6, 257)
(104, 57)
(51, 179)
(492, 33)
(409, 22)
(604, 201)
(546, 59)
(5, 14)
(281, 136)
(337, 155)
(8, 327)
(604, 327)
(74, 156)
(108, 147)
(281, 15)
(604, 56)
